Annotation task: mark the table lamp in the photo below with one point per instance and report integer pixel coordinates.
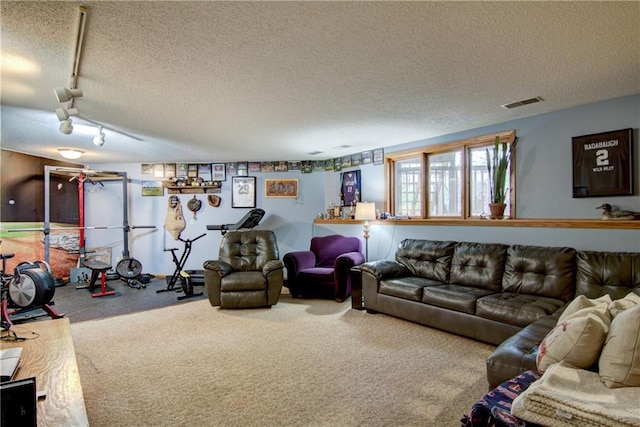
(365, 212)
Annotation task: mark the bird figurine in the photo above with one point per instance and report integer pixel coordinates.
(609, 213)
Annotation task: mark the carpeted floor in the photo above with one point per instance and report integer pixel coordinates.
(300, 363)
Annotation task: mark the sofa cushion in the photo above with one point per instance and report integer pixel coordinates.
(430, 259)
(618, 306)
(613, 273)
(576, 340)
(537, 270)
(455, 297)
(619, 362)
(480, 265)
(317, 275)
(516, 309)
(243, 281)
(407, 287)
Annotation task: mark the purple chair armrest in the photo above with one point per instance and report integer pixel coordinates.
(342, 273)
(345, 261)
(298, 261)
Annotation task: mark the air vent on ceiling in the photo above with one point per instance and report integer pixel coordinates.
(315, 153)
(521, 103)
(341, 147)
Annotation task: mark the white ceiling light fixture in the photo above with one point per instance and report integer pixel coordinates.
(98, 140)
(65, 113)
(70, 153)
(65, 94)
(66, 126)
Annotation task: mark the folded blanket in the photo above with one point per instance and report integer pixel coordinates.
(566, 396)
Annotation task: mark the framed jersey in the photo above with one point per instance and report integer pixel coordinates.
(350, 187)
(603, 164)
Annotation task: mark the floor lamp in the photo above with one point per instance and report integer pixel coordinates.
(365, 212)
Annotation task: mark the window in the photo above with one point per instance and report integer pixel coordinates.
(408, 188)
(445, 184)
(447, 180)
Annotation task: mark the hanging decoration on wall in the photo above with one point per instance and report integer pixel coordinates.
(350, 188)
(174, 223)
(214, 200)
(603, 164)
(194, 206)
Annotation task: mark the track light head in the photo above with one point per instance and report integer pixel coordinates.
(65, 94)
(99, 139)
(66, 126)
(64, 113)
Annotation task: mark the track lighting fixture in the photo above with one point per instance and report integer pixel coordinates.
(99, 139)
(64, 113)
(66, 126)
(65, 94)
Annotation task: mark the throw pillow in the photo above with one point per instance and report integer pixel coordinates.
(577, 339)
(619, 362)
(619, 305)
(581, 302)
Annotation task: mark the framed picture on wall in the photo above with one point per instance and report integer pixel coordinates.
(350, 187)
(281, 188)
(603, 164)
(243, 192)
(219, 172)
(152, 188)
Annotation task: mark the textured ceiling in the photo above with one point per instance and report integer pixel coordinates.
(224, 81)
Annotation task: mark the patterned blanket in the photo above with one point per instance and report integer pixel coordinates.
(565, 396)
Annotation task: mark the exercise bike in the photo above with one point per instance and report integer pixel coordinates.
(179, 274)
(30, 287)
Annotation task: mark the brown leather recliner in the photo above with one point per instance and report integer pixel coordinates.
(248, 271)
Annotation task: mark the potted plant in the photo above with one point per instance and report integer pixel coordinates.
(498, 162)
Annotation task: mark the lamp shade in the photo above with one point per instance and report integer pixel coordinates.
(365, 211)
(70, 153)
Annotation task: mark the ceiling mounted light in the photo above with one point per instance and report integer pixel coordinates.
(66, 127)
(64, 113)
(65, 94)
(70, 153)
(99, 139)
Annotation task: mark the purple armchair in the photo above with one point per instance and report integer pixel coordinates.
(324, 270)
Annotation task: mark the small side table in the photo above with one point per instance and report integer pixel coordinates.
(357, 302)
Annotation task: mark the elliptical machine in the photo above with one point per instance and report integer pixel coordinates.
(179, 274)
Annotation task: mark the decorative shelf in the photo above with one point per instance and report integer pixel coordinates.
(188, 189)
(541, 223)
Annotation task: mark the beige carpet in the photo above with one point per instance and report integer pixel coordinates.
(300, 363)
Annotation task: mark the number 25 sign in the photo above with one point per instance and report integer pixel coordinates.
(603, 164)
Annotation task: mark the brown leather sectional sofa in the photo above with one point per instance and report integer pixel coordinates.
(506, 295)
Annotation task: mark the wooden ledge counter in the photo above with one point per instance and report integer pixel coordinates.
(51, 359)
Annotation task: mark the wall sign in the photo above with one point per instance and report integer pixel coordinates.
(603, 164)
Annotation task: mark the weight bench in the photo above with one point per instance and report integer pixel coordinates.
(97, 269)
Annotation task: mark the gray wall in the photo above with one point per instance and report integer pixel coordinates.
(543, 176)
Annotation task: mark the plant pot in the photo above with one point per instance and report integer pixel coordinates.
(497, 210)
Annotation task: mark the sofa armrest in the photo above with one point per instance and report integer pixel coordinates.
(518, 353)
(271, 266)
(220, 267)
(385, 269)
